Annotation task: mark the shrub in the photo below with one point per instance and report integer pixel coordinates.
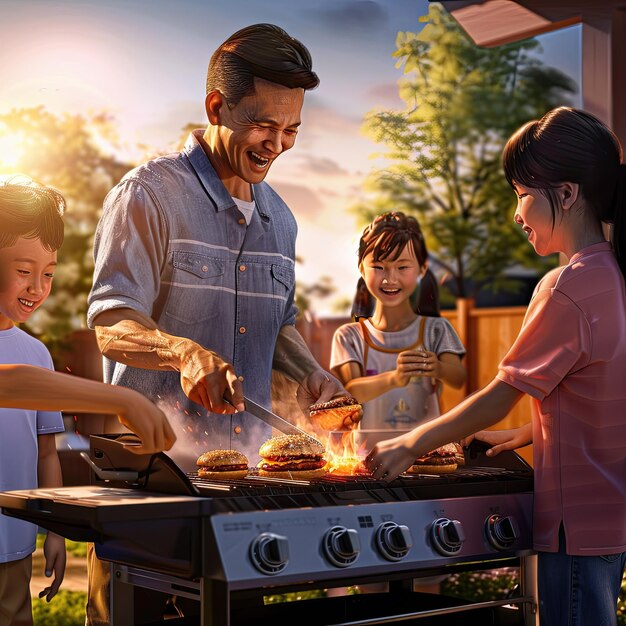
(67, 608)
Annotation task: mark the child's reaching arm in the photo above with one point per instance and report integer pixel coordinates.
(505, 439)
(49, 475)
(30, 387)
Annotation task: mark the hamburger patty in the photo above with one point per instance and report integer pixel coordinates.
(293, 464)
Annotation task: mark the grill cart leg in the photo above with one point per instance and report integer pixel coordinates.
(528, 584)
(122, 597)
(215, 603)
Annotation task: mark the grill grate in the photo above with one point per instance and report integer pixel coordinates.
(259, 492)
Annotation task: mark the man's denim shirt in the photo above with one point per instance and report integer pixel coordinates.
(172, 244)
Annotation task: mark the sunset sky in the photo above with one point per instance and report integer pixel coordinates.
(144, 61)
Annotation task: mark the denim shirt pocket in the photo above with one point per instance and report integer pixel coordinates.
(196, 290)
(283, 279)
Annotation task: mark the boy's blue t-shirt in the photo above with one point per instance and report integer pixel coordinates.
(19, 429)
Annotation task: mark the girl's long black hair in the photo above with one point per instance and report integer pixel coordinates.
(569, 145)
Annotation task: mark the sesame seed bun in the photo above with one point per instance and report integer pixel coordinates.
(294, 474)
(223, 465)
(295, 446)
(281, 457)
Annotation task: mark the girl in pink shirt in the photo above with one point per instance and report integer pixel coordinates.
(570, 357)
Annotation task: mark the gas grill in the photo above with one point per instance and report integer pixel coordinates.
(228, 544)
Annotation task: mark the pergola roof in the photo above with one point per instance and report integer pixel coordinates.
(603, 64)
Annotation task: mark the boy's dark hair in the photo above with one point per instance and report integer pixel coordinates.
(259, 51)
(32, 211)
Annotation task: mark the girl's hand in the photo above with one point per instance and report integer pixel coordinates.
(54, 553)
(390, 458)
(501, 440)
(416, 363)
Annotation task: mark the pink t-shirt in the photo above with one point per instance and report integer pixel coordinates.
(570, 356)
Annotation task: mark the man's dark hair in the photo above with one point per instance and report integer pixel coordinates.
(259, 51)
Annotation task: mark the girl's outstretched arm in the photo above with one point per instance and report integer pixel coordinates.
(484, 408)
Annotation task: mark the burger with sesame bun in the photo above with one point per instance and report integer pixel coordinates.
(292, 456)
(337, 414)
(439, 461)
(222, 465)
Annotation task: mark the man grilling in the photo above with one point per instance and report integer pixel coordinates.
(193, 294)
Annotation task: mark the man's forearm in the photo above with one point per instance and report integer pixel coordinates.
(134, 344)
(292, 356)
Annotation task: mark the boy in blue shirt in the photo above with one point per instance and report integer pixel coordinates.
(31, 232)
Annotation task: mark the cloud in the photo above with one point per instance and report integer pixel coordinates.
(387, 95)
(303, 201)
(318, 117)
(351, 16)
(321, 165)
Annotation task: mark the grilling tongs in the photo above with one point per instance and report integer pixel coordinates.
(275, 421)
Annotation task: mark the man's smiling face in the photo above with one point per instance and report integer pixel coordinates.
(258, 129)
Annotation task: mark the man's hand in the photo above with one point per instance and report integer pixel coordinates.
(318, 386)
(210, 381)
(54, 553)
(206, 378)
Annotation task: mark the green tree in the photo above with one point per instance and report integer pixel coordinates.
(75, 155)
(462, 104)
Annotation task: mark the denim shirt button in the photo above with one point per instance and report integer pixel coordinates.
(242, 330)
(241, 220)
(242, 268)
(205, 268)
(237, 430)
(240, 379)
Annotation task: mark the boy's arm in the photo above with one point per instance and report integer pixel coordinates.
(49, 475)
(132, 338)
(37, 388)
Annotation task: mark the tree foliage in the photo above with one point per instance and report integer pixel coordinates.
(444, 149)
(75, 155)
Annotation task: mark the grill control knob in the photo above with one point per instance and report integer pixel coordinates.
(447, 536)
(269, 553)
(502, 532)
(393, 540)
(341, 546)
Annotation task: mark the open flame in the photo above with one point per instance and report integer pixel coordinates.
(344, 459)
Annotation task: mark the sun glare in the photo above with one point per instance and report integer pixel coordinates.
(11, 149)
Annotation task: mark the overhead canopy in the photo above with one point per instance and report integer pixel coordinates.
(603, 65)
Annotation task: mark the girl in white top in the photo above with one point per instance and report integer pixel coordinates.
(394, 362)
